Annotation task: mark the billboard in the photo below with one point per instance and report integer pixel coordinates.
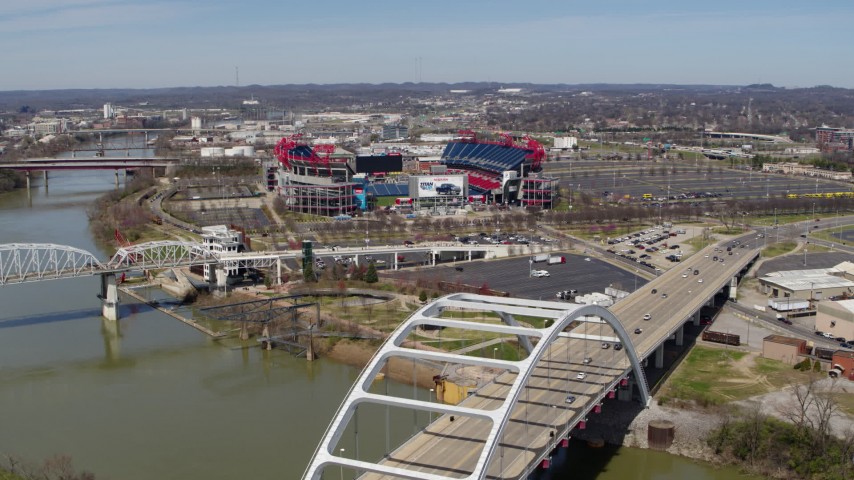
(379, 163)
(437, 186)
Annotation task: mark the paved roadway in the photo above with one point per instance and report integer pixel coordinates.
(451, 448)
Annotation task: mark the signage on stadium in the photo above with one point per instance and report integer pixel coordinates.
(438, 186)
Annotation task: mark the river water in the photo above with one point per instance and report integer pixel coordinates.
(149, 397)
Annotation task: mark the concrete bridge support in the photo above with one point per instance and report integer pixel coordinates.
(659, 356)
(45, 179)
(697, 318)
(109, 297)
(221, 277)
(680, 335)
(625, 394)
(112, 344)
(211, 271)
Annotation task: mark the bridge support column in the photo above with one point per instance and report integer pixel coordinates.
(433, 258)
(109, 297)
(45, 179)
(625, 394)
(469, 255)
(279, 271)
(733, 288)
(395, 260)
(117, 179)
(680, 335)
(221, 277)
(659, 356)
(27, 175)
(697, 318)
(112, 345)
(210, 273)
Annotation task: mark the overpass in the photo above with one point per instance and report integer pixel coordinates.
(97, 163)
(507, 428)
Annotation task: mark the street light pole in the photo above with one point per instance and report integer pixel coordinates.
(342, 466)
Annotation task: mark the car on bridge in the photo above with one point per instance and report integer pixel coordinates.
(647, 316)
(570, 398)
(581, 376)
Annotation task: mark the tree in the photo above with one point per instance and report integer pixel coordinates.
(371, 275)
(422, 297)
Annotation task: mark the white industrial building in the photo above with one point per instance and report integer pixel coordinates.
(565, 143)
(812, 284)
(220, 238)
(836, 318)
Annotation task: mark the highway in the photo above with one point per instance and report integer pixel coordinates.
(451, 448)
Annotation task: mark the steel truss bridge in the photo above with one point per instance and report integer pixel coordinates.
(34, 262)
(508, 427)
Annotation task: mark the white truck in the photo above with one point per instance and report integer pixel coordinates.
(556, 259)
(540, 258)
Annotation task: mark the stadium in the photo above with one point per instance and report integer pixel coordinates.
(505, 172)
(316, 180)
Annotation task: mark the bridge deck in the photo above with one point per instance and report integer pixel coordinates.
(451, 448)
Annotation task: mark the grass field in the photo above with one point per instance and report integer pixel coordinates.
(777, 249)
(714, 376)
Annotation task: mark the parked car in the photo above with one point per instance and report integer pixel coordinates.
(540, 273)
(570, 398)
(581, 376)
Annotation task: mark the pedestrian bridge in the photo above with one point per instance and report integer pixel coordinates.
(509, 426)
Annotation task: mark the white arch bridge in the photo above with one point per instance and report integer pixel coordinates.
(508, 425)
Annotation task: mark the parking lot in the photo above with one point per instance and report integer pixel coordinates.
(657, 179)
(513, 276)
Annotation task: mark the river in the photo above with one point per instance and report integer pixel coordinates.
(150, 397)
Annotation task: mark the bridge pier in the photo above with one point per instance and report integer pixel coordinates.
(733, 288)
(109, 297)
(659, 356)
(27, 175)
(697, 318)
(45, 179)
(117, 179)
(680, 335)
(221, 277)
(210, 271)
(110, 330)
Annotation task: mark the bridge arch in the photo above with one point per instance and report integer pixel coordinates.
(162, 254)
(31, 262)
(562, 314)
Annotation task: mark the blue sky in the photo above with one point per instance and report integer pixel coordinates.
(48, 44)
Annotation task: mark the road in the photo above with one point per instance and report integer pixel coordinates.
(449, 447)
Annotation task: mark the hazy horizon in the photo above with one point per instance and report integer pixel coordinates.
(142, 44)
